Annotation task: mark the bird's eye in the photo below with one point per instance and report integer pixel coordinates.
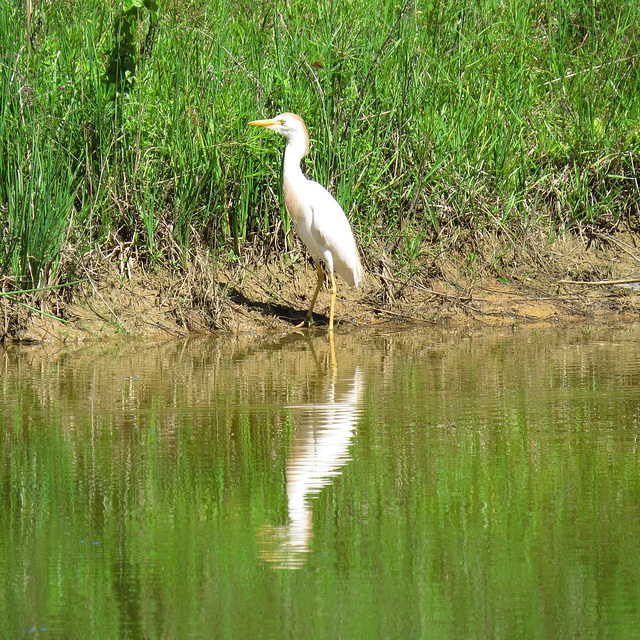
(282, 121)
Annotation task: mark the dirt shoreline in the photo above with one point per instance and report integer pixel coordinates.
(560, 285)
(487, 304)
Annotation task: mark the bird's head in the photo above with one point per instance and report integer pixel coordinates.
(289, 125)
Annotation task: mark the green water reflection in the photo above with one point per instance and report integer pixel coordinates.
(417, 485)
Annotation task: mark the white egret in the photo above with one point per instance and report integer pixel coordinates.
(316, 215)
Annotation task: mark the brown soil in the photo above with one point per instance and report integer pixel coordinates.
(267, 296)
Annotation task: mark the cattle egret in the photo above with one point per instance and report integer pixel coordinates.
(316, 215)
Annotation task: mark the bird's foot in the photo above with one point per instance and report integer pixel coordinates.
(306, 323)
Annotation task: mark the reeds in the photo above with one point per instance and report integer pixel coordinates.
(425, 118)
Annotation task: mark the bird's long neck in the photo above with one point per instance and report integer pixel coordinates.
(293, 154)
(293, 179)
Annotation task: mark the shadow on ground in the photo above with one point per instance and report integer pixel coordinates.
(278, 311)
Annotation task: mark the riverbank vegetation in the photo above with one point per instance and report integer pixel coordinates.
(440, 127)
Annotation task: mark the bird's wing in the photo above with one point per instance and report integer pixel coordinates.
(331, 231)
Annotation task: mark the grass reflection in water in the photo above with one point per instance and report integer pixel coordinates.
(422, 484)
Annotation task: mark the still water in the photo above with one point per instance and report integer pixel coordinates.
(403, 485)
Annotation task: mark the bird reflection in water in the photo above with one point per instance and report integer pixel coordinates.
(323, 433)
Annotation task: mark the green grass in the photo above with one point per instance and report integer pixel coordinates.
(125, 122)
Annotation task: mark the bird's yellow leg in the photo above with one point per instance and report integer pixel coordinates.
(308, 319)
(334, 291)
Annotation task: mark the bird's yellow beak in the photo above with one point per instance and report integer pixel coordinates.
(263, 123)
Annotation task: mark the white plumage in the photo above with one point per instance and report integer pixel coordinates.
(316, 215)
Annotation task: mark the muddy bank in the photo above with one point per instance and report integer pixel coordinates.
(569, 283)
